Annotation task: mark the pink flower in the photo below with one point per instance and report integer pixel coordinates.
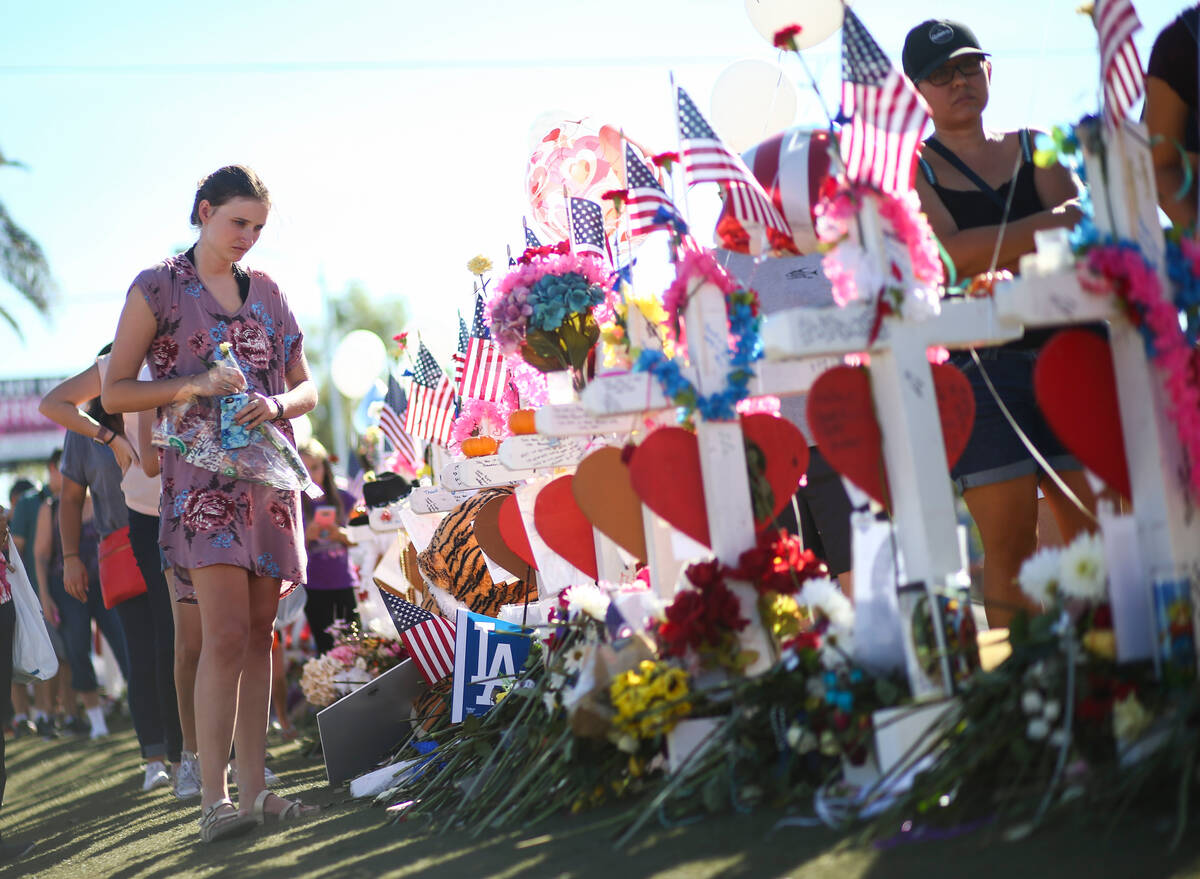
(200, 344)
(281, 515)
(207, 509)
(343, 653)
(163, 352)
(251, 345)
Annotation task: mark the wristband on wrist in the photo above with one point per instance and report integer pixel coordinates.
(278, 408)
(103, 436)
(67, 555)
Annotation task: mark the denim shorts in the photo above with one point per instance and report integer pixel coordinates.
(994, 452)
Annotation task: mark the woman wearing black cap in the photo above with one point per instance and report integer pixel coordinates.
(985, 199)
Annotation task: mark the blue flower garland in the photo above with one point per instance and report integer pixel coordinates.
(721, 405)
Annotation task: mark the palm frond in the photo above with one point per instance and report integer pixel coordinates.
(23, 263)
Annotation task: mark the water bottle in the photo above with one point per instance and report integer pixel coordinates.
(233, 435)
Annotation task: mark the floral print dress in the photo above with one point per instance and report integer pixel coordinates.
(207, 518)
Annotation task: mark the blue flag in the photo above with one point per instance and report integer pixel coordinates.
(488, 654)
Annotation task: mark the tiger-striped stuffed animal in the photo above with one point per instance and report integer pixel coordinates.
(454, 563)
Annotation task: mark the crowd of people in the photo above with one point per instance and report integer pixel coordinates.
(216, 553)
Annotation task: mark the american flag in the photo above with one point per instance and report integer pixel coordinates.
(707, 160)
(429, 638)
(646, 196)
(484, 375)
(463, 335)
(392, 425)
(531, 240)
(1120, 66)
(885, 114)
(587, 227)
(430, 401)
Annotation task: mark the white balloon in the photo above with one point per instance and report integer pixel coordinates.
(751, 100)
(818, 19)
(302, 428)
(357, 362)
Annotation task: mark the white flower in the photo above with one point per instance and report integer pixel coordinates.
(1130, 719)
(823, 595)
(1040, 574)
(1058, 738)
(801, 740)
(1037, 729)
(1052, 710)
(317, 680)
(1032, 702)
(589, 599)
(1083, 573)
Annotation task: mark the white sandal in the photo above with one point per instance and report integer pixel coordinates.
(217, 824)
(293, 811)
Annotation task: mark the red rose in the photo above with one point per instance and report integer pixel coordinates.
(163, 351)
(200, 344)
(208, 510)
(251, 345)
(281, 515)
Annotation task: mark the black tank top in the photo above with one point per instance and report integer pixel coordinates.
(972, 208)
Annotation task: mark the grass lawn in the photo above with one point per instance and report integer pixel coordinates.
(82, 802)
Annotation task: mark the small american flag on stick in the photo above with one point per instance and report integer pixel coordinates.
(429, 639)
(884, 114)
(430, 412)
(1120, 66)
(392, 425)
(648, 202)
(531, 240)
(587, 227)
(484, 375)
(706, 159)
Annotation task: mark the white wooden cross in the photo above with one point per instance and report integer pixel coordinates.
(1123, 194)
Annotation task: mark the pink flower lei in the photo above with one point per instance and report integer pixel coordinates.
(1122, 270)
(836, 213)
(695, 264)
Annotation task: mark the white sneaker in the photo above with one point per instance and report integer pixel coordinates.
(156, 776)
(187, 779)
(269, 777)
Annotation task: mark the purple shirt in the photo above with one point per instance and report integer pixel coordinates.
(329, 561)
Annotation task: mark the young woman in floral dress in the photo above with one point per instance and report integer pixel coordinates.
(234, 545)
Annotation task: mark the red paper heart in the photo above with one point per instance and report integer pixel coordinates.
(1076, 388)
(665, 470)
(841, 414)
(512, 529)
(956, 408)
(786, 453)
(561, 523)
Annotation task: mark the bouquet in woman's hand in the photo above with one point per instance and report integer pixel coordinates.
(547, 308)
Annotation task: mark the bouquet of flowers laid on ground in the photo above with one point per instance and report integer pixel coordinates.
(548, 308)
(355, 659)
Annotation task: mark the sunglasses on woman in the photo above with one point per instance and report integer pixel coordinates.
(968, 67)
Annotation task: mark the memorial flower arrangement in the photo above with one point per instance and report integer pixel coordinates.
(548, 308)
(355, 659)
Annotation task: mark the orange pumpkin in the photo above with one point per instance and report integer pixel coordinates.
(478, 446)
(522, 422)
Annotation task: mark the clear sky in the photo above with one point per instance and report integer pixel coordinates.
(393, 135)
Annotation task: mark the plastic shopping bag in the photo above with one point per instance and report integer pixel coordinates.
(33, 653)
(192, 428)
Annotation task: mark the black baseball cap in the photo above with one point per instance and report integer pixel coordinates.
(932, 43)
